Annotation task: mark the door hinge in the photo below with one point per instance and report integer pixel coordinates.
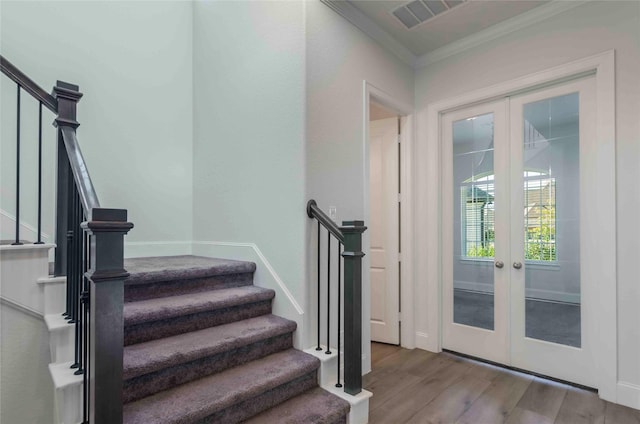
(399, 138)
(399, 197)
(399, 257)
(399, 316)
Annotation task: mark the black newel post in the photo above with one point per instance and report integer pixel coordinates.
(107, 228)
(67, 96)
(352, 255)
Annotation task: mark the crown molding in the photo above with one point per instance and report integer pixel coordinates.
(373, 30)
(501, 29)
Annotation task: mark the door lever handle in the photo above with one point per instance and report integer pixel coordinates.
(499, 264)
(517, 265)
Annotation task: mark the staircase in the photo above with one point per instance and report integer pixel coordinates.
(201, 346)
(184, 339)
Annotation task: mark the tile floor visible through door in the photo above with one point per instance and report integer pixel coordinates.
(420, 387)
(550, 321)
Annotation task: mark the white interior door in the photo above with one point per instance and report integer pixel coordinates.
(384, 230)
(519, 238)
(554, 255)
(475, 231)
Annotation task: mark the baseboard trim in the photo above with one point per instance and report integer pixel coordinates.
(423, 342)
(138, 249)
(27, 231)
(22, 308)
(628, 394)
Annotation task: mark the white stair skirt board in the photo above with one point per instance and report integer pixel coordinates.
(359, 413)
(21, 268)
(327, 375)
(328, 364)
(68, 393)
(61, 338)
(55, 294)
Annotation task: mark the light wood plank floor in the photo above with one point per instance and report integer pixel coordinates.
(419, 387)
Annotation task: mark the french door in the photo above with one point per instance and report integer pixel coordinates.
(518, 233)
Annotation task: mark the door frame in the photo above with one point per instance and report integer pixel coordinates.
(371, 92)
(429, 202)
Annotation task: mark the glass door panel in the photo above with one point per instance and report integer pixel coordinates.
(552, 200)
(473, 221)
(475, 231)
(551, 211)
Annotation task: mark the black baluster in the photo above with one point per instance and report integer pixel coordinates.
(17, 241)
(67, 246)
(67, 312)
(73, 271)
(328, 352)
(318, 348)
(40, 174)
(87, 327)
(69, 272)
(339, 314)
(69, 249)
(77, 247)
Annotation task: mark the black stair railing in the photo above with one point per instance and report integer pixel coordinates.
(89, 251)
(349, 250)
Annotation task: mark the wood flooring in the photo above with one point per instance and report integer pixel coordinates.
(419, 387)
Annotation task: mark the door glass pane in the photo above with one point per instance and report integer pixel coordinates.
(551, 220)
(473, 221)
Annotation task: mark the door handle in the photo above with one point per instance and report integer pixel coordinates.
(499, 264)
(517, 265)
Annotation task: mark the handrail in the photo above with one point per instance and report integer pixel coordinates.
(87, 193)
(28, 85)
(313, 211)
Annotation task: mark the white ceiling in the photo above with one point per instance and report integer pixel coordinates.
(464, 27)
(460, 22)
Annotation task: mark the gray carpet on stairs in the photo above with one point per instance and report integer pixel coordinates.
(201, 346)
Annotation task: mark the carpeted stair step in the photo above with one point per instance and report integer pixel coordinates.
(174, 275)
(316, 406)
(163, 317)
(232, 395)
(164, 363)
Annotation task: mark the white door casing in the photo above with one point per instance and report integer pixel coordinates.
(383, 230)
(506, 343)
(428, 203)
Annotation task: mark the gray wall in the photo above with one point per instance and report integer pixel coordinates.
(133, 61)
(249, 140)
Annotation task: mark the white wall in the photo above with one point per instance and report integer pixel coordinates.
(133, 62)
(24, 358)
(586, 30)
(249, 141)
(339, 58)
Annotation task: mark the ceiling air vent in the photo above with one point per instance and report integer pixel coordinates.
(418, 11)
